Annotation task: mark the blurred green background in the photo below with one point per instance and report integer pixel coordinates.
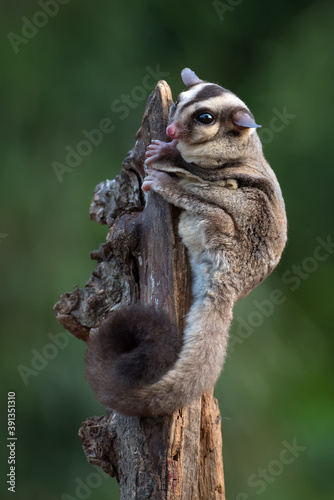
(62, 77)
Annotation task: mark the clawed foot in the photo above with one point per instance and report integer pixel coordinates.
(158, 150)
(153, 178)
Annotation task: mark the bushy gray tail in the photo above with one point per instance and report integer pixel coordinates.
(136, 365)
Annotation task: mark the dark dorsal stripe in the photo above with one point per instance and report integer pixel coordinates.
(210, 90)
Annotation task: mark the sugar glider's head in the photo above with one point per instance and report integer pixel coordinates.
(211, 124)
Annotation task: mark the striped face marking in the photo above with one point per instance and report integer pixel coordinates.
(203, 110)
(205, 115)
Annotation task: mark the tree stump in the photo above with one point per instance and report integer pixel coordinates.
(144, 260)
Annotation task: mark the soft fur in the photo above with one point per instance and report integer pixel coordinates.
(233, 224)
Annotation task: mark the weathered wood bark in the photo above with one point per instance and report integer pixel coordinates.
(143, 259)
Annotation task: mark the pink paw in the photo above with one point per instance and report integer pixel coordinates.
(153, 179)
(158, 150)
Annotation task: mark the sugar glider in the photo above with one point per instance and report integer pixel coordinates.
(233, 225)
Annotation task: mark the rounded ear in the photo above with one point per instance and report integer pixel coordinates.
(190, 78)
(244, 119)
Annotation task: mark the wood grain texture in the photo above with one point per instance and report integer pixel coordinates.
(143, 259)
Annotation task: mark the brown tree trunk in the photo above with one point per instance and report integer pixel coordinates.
(143, 259)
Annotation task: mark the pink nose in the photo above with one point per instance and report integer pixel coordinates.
(173, 131)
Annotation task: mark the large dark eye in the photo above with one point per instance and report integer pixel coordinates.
(205, 118)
